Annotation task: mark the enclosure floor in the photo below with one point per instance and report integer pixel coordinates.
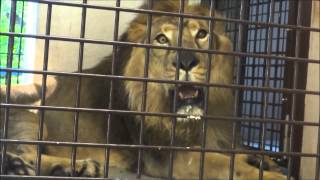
(119, 174)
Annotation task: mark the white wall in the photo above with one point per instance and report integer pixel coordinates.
(312, 102)
(63, 56)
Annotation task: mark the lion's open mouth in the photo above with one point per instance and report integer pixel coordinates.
(190, 101)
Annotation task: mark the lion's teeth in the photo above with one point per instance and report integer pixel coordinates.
(188, 109)
(192, 117)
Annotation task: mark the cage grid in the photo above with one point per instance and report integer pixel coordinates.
(262, 66)
(254, 74)
(253, 68)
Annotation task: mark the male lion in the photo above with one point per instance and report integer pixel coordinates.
(128, 95)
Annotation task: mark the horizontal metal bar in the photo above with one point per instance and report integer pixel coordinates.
(160, 114)
(49, 177)
(175, 14)
(120, 43)
(159, 148)
(142, 79)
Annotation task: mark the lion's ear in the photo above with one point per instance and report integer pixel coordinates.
(136, 32)
(137, 28)
(224, 43)
(167, 5)
(219, 26)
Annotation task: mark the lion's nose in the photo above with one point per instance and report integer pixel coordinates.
(187, 60)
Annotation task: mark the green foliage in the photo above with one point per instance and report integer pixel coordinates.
(19, 43)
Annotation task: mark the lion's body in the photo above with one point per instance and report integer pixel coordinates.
(128, 95)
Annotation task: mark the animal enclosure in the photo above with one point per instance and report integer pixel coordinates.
(275, 91)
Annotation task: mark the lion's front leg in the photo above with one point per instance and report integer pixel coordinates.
(55, 166)
(90, 162)
(216, 166)
(16, 165)
(24, 164)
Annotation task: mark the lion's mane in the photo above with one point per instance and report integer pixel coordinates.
(157, 98)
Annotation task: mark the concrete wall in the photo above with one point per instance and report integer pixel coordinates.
(312, 102)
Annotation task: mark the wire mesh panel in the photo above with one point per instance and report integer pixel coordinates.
(111, 113)
(231, 9)
(253, 69)
(254, 74)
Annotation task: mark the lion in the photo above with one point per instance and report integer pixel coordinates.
(94, 129)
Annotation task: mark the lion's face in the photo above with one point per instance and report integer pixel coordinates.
(187, 66)
(191, 66)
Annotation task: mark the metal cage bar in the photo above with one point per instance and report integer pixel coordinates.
(263, 56)
(293, 95)
(206, 91)
(243, 13)
(266, 83)
(317, 176)
(213, 118)
(8, 82)
(231, 20)
(78, 89)
(120, 43)
(145, 86)
(174, 106)
(44, 87)
(111, 93)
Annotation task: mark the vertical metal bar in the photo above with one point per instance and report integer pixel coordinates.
(78, 89)
(249, 127)
(283, 114)
(111, 94)
(233, 12)
(294, 86)
(8, 83)
(267, 62)
(277, 68)
(145, 87)
(174, 120)
(266, 84)
(228, 13)
(243, 8)
(252, 125)
(43, 88)
(20, 40)
(0, 36)
(262, 63)
(206, 92)
(317, 176)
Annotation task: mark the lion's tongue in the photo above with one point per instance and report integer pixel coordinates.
(188, 93)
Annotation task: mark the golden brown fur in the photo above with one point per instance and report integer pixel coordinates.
(128, 95)
(220, 99)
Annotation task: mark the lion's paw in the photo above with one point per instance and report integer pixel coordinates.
(268, 164)
(84, 168)
(15, 165)
(273, 176)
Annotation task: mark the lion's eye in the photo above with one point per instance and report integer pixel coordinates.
(201, 34)
(162, 39)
